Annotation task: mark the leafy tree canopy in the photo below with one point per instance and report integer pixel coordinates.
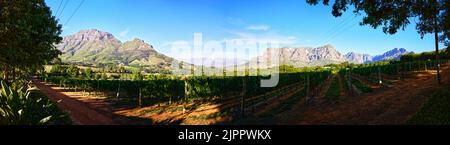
(393, 15)
(27, 34)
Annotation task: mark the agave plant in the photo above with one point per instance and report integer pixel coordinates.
(18, 107)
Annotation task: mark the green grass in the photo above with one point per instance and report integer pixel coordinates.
(436, 111)
(361, 86)
(333, 93)
(345, 84)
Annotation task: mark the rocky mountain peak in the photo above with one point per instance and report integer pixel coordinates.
(358, 58)
(136, 44)
(391, 54)
(93, 46)
(301, 56)
(92, 35)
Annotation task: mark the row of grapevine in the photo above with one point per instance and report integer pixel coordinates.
(373, 71)
(191, 87)
(396, 67)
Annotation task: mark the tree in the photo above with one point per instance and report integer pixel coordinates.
(27, 34)
(433, 16)
(58, 69)
(72, 71)
(137, 75)
(88, 73)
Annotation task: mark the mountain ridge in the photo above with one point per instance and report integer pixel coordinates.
(97, 47)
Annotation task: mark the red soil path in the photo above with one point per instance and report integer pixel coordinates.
(80, 112)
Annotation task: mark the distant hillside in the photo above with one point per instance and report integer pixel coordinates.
(392, 54)
(395, 53)
(299, 57)
(307, 56)
(358, 58)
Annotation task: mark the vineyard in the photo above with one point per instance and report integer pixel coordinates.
(230, 91)
(241, 96)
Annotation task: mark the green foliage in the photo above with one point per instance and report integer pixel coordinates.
(137, 75)
(28, 32)
(424, 56)
(88, 73)
(72, 71)
(361, 86)
(395, 15)
(25, 108)
(58, 69)
(436, 111)
(103, 76)
(198, 87)
(333, 92)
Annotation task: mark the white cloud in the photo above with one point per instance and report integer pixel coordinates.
(258, 27)
(124, 32)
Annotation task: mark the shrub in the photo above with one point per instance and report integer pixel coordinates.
(18, 107)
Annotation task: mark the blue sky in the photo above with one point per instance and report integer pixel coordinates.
(292, 22)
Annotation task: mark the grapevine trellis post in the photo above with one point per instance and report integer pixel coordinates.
(140, 94)
(426, 63)
(118, 92)
(379, 76)
(403, 70)
(410, 67)
(244, 89)
(186, 93)
(98, 87)
(397, 69)
(75, 85)
(349, 77)
(419, 65)
(308, 96)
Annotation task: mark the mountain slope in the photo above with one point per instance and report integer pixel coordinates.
(358, 58)
(96, 47)
(392, 54)
(298, 57)
(89, 46)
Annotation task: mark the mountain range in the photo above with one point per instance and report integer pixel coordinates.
(97, 47)
(319, 56)
(395, 53)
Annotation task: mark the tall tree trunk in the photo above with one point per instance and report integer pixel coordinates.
(437, 50)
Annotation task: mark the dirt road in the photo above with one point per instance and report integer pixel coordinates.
(80, 112)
